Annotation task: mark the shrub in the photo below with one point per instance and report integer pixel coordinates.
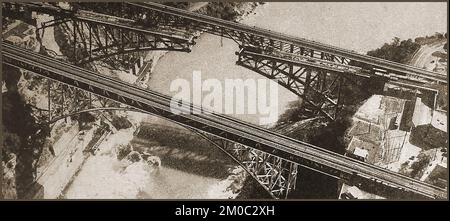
(134, 156)
(123, 151)
(121, 122)
(418, 166)
(398, 51)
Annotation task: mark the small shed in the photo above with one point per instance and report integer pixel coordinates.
(361, 152)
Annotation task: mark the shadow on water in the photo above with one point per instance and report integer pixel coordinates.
(22, 136)
(183, 150)
(329, 135)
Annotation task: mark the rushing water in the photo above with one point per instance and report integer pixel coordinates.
(190, 168)
(355, 26)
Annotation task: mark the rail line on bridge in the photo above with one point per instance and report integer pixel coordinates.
(225, 127)
(268, 38)
(94, 36)
(312, 70)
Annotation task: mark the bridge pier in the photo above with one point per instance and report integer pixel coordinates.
(319, 89)
(93, 36)
(276, 175)
(313, 71)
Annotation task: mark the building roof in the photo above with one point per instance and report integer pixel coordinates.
(422, 113)
(439, 120)
(361, 152)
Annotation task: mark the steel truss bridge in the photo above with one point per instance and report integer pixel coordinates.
(271, 158)
(312, 70)
(93, 36)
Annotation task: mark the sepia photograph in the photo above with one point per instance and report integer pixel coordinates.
(224, 100)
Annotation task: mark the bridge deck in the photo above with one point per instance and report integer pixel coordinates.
(207, 21)
(220, 125)
(378, 62)
(410, 74)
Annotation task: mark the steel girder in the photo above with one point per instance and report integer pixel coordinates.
(318, 87)
(159, 105)
(272, 41)
(65, 100)
(180, 118)
(315, 84)
(151, 19)
(93, 36)
(161, 19)
(276, 175)
(93, 41)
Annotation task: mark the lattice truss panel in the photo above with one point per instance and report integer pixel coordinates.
(313, 75)
(117, 42)
(64, 101)
(276, 175)
(319, 88)
(116, 46)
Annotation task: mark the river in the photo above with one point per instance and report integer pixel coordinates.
(355, 26)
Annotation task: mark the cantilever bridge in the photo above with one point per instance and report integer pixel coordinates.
(309, 69)
(314, 71)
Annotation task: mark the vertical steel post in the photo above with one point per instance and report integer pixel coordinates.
(292, 178)
(341, 79)
(307, 83)
(288, 180)
(106, 40)
(49, 100)
(76, 98)
(62, 96)
(90, 41)
(90, 100)
(324, 81)
(74, 41)
(291, 66)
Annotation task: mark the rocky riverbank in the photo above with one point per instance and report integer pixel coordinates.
(173, 152)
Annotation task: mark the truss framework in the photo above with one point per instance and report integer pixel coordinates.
(276, 175)
(65, 75)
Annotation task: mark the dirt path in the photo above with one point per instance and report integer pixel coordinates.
(196, 6)
(423, 58)
(49, 176)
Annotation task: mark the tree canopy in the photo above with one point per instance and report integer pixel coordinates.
(398, 51)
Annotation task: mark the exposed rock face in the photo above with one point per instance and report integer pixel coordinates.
(9, 183)
(154, 161)
(23, 137)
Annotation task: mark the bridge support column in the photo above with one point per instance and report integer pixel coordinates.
(49, 84)
(98, 36)
(319, 89)
(278, 176)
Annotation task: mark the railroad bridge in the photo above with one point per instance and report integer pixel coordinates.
(312, 70)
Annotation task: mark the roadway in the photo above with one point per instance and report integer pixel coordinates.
(409, 75)
(220, 125)
(204, 23)
(288, 39)
(101, 19)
